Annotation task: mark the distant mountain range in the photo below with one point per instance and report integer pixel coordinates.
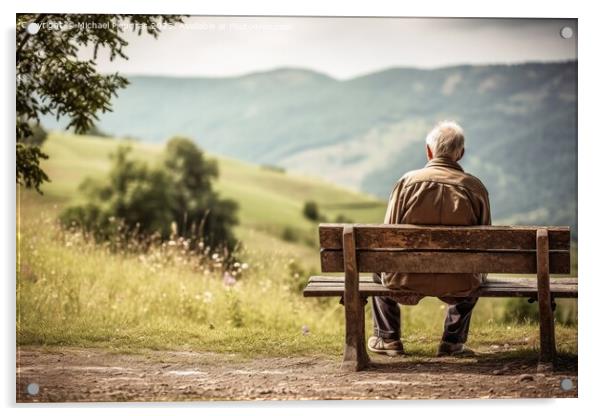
(364, 133)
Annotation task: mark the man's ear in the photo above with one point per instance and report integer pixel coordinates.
(429, 154)
(461, 154)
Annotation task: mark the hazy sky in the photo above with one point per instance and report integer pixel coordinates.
(340, 47)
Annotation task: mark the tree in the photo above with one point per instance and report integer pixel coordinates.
(51, 79)
(196, 208)
(38, 135)
(133, 199)
(138, 201)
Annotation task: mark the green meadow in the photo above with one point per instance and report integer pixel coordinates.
(71, 291)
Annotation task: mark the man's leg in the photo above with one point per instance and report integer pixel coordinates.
(457, 321)
(386, 316)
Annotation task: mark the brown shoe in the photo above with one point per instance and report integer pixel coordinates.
(454, 350)
(390, 347)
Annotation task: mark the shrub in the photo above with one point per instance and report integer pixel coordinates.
(310, 211)
(290, 234)
(341, 218)
(517, 310)
(176, 198)
(298, 276)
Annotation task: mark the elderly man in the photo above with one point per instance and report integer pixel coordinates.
(439, 194)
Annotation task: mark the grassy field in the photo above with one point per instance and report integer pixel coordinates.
(74, 292)
(270, 201)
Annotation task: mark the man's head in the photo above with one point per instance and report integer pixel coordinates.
(445, 140)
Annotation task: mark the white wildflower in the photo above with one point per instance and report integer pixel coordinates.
(207, 297)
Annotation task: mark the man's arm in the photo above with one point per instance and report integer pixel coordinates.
(394, 208)
(393, 216)
(485, 217)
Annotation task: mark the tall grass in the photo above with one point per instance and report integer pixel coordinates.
(73, 291)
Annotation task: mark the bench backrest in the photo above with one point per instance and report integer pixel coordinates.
(444, 249)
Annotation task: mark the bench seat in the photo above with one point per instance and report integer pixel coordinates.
(495, 286)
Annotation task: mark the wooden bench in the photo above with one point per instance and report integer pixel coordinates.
(356, 248)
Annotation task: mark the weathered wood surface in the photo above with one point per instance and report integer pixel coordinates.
(369, 236)
(547, 351)
(355, 356)
(320, 286)
(491, 279)
(516, 262)
(355, 248)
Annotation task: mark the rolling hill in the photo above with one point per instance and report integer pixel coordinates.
(269, 201)
(363, 133)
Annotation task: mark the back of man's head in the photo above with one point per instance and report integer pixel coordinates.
(446, 140)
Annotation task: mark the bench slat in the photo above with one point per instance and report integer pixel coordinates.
(512, 262)
(442, 237)
(495, 293)
(497, 280)
(500, 288)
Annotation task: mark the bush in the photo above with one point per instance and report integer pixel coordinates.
(176, 198)
(310, 211)
(290, 234)
(298, 276)
(342, 219)
(517, 310)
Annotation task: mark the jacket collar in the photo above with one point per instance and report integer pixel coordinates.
(444, 162)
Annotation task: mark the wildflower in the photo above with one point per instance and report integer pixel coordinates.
(207, 297)
(229, 280)
(244, 266)
(305, 330)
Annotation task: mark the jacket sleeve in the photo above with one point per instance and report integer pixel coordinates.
(394, 208)
(485, 218)
(393, 216)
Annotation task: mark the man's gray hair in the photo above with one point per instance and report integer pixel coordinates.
(446, 140)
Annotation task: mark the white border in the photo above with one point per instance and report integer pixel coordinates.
(589, 149)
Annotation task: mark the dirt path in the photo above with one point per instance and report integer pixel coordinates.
(75, 374)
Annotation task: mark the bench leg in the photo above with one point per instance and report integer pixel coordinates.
(355, 356)
(547, 352)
